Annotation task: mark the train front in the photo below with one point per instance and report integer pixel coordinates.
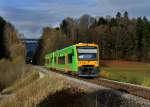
(88, 60)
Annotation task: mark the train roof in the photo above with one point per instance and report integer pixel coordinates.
(86, 44)
(72, 46)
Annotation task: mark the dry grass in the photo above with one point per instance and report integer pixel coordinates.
(28, 78)
(104, 74)
(33, 93)
(50, 91)
(146, 82)
(10, 71)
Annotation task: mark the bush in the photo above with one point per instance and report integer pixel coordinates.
(104, 74)
(10, 71)
(146, 82)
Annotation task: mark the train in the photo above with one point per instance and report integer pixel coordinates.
(81, 59)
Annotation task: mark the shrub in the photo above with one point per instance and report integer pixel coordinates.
(104, 74)
(10, 71)
(146, 82)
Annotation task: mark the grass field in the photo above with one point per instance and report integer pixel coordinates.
(125, 71)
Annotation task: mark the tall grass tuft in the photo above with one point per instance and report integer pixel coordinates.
(104, 74)
(146, 82)
(10, 71)
(28, 78)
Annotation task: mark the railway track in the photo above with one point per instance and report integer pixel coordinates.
(125, 87)
(136, 90)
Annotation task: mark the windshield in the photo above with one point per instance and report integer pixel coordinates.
(87, 56)
(87, 53)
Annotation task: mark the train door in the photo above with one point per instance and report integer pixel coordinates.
(66, 62)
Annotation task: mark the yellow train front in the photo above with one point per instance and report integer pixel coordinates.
(88, 60)
(80, 59)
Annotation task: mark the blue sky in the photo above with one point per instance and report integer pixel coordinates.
(30, 16)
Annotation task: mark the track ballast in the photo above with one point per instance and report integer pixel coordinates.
(133, 89)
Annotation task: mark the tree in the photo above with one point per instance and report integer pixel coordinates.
(3, 51)
(125, 15)
(101, 21)
(146, 38)
(51, 40)
(139, 39)
(12, 50)
(113, 22)
(118, 15)
(69, 27)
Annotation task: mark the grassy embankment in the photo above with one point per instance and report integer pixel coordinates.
(125, 71)
(27, 78)
(32, 91)
(10, 71)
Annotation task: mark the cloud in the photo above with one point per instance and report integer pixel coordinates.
(30, 22)
(134, 7)
(29, 16)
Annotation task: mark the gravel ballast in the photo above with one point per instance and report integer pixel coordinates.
(106, 96)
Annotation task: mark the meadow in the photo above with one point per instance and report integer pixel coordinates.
(127, 71)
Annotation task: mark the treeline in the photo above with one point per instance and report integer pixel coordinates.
(119, 37)
(52, 40)
(10, 45)
(12, 54)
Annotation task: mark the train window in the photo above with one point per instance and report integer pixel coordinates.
(87, 56)
(61, 60)
(70, 56)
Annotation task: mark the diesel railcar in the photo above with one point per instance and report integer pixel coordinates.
(80, 59)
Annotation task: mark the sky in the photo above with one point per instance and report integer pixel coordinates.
(30, 16)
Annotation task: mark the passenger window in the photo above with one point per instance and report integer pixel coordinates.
(61, 60)
(70, 57)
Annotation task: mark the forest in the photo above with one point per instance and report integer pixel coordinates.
(119, 38)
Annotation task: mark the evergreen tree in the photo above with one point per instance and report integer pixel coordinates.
(118, 18)
(64, 26)
(102, 21)
(113, 22)
(125, 14)
(146, 38)
(118, 15)
(139, 39)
